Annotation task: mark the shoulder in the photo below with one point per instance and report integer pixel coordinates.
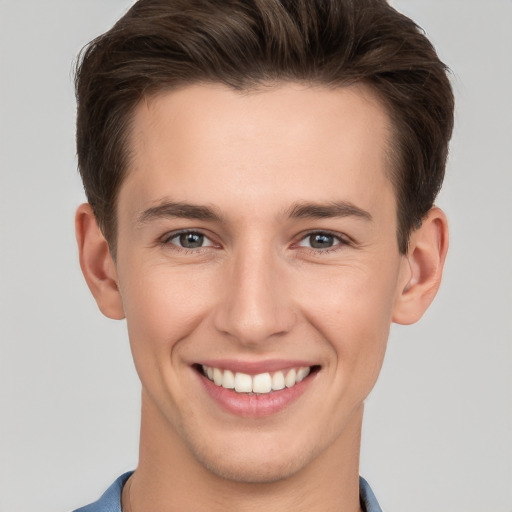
(110, 501)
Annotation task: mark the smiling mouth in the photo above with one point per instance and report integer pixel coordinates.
(259, 384)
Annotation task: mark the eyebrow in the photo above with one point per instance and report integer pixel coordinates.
(170, 209)
(303, 210)
(329, 210)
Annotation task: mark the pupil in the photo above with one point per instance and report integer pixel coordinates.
(321, 241)
(191, 240)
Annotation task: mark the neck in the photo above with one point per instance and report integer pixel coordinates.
(169, 478)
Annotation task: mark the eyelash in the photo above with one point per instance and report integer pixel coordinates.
(340, 241)
(166, 240)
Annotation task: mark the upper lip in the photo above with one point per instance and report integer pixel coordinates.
(255, 367)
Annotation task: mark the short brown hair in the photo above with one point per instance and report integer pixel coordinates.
(162, 44)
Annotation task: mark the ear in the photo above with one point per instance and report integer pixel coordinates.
(423, 268)
(97, 264)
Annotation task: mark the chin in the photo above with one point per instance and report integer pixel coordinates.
(253, 472)
(255, 465)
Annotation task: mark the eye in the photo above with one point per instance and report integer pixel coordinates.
(189, 240)
(320, 240)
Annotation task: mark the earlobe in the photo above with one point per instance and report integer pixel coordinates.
(97, 264)
(423, 268)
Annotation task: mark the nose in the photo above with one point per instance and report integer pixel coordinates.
(255, 305)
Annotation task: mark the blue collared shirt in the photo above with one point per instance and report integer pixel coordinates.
(111, 499)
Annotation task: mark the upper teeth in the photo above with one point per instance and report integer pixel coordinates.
(261, 383)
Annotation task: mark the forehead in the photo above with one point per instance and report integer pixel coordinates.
(282, 143)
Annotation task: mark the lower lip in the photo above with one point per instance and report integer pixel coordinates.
(254, 406)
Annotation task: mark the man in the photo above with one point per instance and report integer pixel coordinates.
(261, 178)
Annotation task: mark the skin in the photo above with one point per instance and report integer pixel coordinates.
(257, 289)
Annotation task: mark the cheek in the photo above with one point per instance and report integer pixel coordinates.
(162, 306)
(352, 309)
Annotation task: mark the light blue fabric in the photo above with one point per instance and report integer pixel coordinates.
(111, 499)
(368, 500)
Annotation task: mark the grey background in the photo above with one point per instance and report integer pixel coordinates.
(438, 428)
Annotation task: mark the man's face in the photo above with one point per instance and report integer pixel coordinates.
(257, 236)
